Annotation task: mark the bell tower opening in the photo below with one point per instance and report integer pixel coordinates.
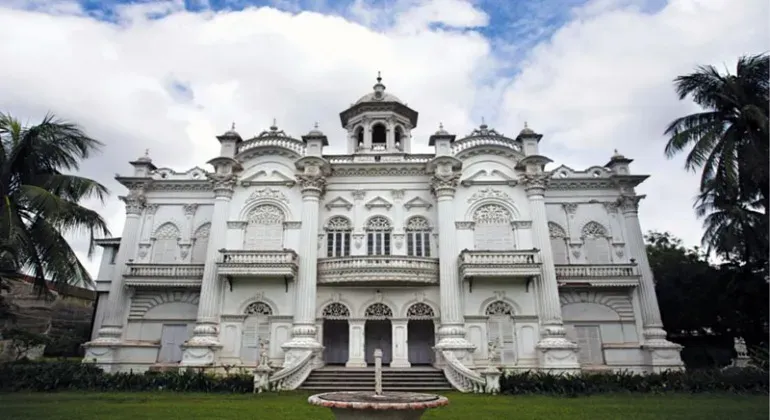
(379, 137)
(399, 134)
(360, 137)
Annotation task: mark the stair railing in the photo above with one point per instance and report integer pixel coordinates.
(293, 376)
(460, 376)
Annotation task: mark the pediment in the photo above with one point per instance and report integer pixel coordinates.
(489, 177)
(378, 202)
(269, 177)
(339, 202)
(417, 202)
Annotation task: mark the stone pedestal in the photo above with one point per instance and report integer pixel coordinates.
(491, 376)
(261, 378)
(660, 354)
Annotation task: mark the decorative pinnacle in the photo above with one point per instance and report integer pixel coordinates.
(483, 123)
(232, 126)
(274, 127)
(526, 125)
(379, 77)
(440, 126)
(147, 153)
(315, 125)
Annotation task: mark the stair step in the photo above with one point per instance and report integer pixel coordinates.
(362, 379)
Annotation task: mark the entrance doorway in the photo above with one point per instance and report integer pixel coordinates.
(378, 334)
(336, 334)
(421, 334)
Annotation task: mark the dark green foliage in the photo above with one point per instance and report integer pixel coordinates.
(742, 381)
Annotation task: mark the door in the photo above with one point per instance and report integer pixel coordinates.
(500, 330)
(256, 329)
(378, 335)
(589, 341)
(336, 340)
(171, 340)
(421, 339)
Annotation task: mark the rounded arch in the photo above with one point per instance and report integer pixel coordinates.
(556, 231)
(320, 308)
(618, 303)
(335, 310)
(167, 230)
(419, 311)
(417, 222)
(250, 205)
(258, 299)
(267, 212)
(514, 212)
(258, 308)
(379, 133)
(204, 230)
(144, 301)
(378, 222)
(338, 222)
(358, 132)
(433, 306)
(362, 308)
(594, 229)
(489, 301)
(499, 307)
(378, 310)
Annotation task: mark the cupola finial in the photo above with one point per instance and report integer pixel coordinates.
(232, 126)
(274, 127)
(379, 77)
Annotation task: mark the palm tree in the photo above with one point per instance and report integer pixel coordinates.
(40, 202)
(728, 140)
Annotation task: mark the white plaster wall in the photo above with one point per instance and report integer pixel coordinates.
(101, 310)
(107, 265)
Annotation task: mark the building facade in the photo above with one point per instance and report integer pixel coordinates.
(474, 254)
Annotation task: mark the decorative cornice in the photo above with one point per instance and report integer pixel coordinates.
(417, 202)
(236, 224)
(378, 202)
(489, 192)
(339, 202)
(465, 225)
(292, 225)
(378, 171)
(522, 224)
(269, 193)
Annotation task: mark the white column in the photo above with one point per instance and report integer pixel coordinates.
(356, 343)
(452, 330)
(111, 330)
(400, 346)
(665, 354)
(199, 350)
(557, 353)
(303, 332)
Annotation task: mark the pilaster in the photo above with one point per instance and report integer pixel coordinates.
(400, 345)
(356, 357)
(660, 353)
(201, 349)
(557, 353)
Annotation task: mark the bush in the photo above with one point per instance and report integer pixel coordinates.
(747, 380)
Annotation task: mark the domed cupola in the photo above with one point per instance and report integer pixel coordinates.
(379, 122)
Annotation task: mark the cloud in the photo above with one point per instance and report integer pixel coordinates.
(160, 77)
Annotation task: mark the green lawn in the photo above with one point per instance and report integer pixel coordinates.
(165, 406)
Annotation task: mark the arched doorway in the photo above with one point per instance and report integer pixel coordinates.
(336, 336)
(420, 334)
(255, 332)
(378, 332)
(501, 330)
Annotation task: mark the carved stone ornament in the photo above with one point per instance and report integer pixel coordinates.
(184, 250)
(312, 182)
(444, 183)
(336, 310)
(570, 209)
(358, 240)
(536, 181)
(576, 249)
(144, 249)
(151, 209)
(270, 193)
(420, 310)
(611, 207)
(378, 310)
(489, 192)
(397, 194)
(398, 240)
(258, 308)
(358, 194)
(619, 249)
(629, 203)
(135, 201)
(464, 225)
(190, 209)
(224, 185)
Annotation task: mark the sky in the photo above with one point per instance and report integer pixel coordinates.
(591, 75)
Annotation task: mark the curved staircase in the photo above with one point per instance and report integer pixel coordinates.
(362, 379)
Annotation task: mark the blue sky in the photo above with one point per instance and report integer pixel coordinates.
(591, 75)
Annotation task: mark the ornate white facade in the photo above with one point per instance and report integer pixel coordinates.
(313, 259)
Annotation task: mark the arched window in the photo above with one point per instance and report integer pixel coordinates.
(501, 330)
(201, 244)
(166, 245)
(256, 331)
(338, 237)
(558, 243)
(360, 137)
(418, 237)
(597, 244)
(379, 136)
(378, 311)
(399, 136)
(420, 310)
(493, 230)
(336, 310)
(264, 228)
(378, 236)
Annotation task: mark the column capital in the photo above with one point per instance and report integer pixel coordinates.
(444, 184)
(629, 204)
(535, 183)
(312, 184)
(224, 184)
(135, 201)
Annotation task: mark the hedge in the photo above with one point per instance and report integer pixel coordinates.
(75, 376)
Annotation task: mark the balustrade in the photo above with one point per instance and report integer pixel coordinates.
(258, 263)
(378, 268)
(596, 271)
(165, 270)
(499, 263)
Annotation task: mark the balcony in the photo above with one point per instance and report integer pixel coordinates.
(248, 263)
(514, 263)
(595, 275)
(163, 275)
(376, 270)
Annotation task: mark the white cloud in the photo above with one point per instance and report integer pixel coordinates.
(602, 82)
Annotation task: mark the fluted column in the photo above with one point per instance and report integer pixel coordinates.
(206, 332)
(557, 353)
(111, 330)
(303, 332)
(665, 353)
(452, 330)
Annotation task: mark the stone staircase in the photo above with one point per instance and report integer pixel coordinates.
(362, 379)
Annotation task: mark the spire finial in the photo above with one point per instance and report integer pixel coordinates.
(147, 153)
(379, 77)
(526, 125)
(315, 125)
(232, 126)
(440, 126)
(275, 125)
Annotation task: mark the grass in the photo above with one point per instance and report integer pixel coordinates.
(167, 406)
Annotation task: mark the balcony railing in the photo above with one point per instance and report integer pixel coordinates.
(598, 274)
(378, 269)
(258, 263)
(163, 275)
(514, 263)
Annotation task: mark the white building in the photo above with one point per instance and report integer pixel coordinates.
(430, 257)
